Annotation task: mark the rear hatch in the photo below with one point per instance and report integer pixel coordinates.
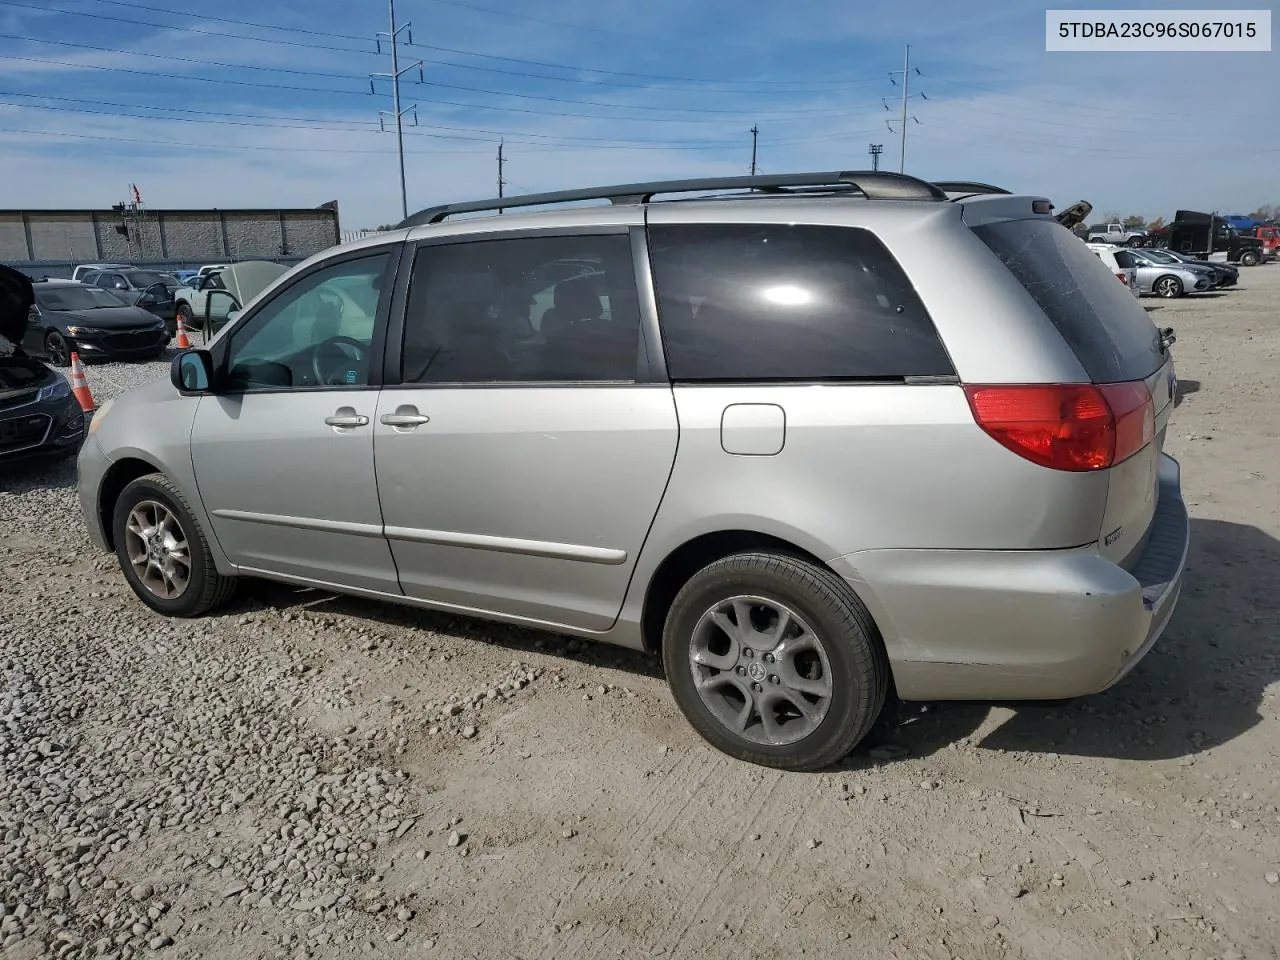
(1128, 364)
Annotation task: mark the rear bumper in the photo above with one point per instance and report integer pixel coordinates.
(1023, 625)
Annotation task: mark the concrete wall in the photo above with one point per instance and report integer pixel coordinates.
(29, 236)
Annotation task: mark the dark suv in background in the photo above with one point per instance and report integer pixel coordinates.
(149, 289)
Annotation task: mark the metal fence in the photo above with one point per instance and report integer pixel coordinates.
(62, 269)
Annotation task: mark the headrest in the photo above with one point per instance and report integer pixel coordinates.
(577, 299)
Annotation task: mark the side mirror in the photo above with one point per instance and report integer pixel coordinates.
(192, 371)
(232, 316)
(121, 285)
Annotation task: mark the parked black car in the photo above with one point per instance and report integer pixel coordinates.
(1229, 275)
(95, 322)
(149, 289)
(39, 416)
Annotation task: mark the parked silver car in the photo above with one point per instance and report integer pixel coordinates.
(1163, 278)
(774, 437)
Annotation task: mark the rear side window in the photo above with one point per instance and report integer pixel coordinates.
(1100, 319)
(778, 302)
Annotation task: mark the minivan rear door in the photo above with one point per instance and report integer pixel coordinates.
(1115, 342)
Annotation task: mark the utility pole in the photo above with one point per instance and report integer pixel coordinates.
(906, 95)
(875, 150)
(501, 182)
(755, 135)
(906, 82)
(394, 76)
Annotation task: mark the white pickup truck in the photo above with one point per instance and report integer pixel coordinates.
(240, 282)
(1118, 234)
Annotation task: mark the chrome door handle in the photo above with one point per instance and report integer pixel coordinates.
(347, 420)
(404, 419)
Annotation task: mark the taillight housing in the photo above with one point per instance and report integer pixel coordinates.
(1077, 427)
(1124, 277)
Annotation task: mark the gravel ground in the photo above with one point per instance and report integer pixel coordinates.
(316, 776)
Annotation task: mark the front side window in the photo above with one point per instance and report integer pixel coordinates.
(317, 332)
(779, 302)
(529, 309)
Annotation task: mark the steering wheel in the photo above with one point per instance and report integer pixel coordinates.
(338, 360)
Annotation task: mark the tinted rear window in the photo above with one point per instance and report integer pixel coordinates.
(778, 302)
(1096, 314)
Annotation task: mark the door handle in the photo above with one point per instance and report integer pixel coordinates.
(404, 417)
(347, 417)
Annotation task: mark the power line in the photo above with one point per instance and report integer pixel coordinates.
(447, 86)
(577, 68)
(247, 23)
(320, 125)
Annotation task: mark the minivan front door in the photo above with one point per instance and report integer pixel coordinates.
(283, 452)
(523, 457)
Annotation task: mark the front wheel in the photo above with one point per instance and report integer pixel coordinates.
(1249, 259)
(1168, 287)
(775, 660)
(57, 349)
(163, 552)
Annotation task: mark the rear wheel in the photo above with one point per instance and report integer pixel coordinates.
(163, 552)
(57, 348)
(775, 660)
(1168, 287)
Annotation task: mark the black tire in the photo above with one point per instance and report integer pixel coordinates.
(57, 349)
(1168, 287)
(206, 589)
(1249, 259)
(188, 318)
(859, 669)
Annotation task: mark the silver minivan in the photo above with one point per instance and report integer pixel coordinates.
(820, 441)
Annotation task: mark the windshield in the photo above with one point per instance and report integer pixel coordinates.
(145, 278)
(1159, 256)
(76, 298)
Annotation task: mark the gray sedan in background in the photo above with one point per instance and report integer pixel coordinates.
(1164, 278)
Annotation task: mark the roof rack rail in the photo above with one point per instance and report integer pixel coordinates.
(969, 187)
(873, 184)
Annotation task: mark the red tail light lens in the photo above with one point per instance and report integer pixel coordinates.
(1124, 278)
(1070, 426)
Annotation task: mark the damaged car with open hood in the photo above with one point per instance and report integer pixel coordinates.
(39, 415)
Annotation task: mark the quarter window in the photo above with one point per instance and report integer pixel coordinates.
(776, 302)
(529, 309)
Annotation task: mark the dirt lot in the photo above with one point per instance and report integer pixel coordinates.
(317, 776)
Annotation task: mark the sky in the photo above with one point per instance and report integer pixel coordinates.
(249, 104)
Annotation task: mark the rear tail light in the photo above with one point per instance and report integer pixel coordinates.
(1069, 426)
(1124, 277)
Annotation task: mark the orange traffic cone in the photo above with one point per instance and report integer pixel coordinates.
(184, 342)
(80, 384)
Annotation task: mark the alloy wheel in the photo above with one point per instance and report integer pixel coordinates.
(760, 670)
(157, 549)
